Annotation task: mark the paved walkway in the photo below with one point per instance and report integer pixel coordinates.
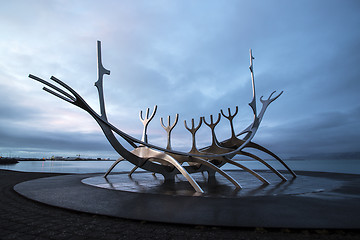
(21, 218)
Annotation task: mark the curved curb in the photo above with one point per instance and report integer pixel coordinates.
(333, 208)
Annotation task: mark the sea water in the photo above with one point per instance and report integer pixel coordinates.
(339, 165)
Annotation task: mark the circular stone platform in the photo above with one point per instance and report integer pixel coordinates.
(312, 200)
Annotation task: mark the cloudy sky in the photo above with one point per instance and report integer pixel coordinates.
(188, 57)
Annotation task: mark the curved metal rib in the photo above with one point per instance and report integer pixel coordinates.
(265, 163)
(182, 170)
(162, 157)
(209, 164)
(258, 176)
(113, 165)
(263, 149)
(132, 170)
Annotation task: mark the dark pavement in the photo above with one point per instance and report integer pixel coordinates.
(21, 218)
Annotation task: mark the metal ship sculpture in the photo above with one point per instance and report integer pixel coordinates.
(167, 161)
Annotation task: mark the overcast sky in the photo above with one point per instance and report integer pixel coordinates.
(188, 57)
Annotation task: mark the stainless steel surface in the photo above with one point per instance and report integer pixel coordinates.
(168, 129)
(193, 131)
(166, 161)
(230, 118)
(146, 122)
(99, 82)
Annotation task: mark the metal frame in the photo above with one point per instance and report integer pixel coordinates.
(169, 162)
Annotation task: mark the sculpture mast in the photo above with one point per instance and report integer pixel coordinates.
(99, 82)
(253, 102)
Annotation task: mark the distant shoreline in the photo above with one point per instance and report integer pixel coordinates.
(7, 160)
(325, 156)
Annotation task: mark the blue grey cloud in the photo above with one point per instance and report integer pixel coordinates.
(188, 57)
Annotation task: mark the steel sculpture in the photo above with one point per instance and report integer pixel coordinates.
(169, 162)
